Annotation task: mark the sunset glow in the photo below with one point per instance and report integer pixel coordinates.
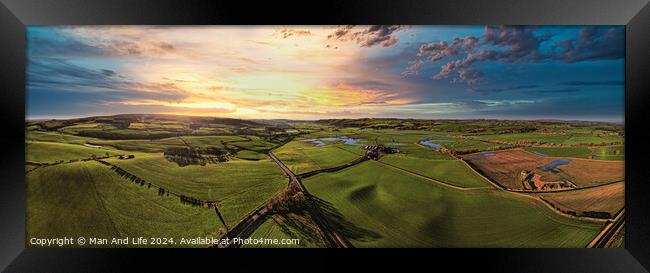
(320, 72)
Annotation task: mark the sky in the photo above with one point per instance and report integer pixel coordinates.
(317, 72)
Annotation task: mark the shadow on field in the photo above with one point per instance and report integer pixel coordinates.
(299, 226)
(337, 222)
(438, 227)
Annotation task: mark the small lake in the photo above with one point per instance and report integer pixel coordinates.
(315, 141)
(550, 167)
(435, 143)
(319, 142)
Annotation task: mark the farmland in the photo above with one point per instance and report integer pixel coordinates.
(608, 198)
(86, 199)
(453, 172)
(506, 167)
(61, 151)
(392, 209)
(419, 183)
(302, 156)
(235, 189)
(599, 153)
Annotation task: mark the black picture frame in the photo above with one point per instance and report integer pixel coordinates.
(16, 14)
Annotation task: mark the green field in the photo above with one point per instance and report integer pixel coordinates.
(600, 153)
(210, 141)
(582, 152)
(413, 196)
(609, 153)
(569, 138)
(62, 151)
(143, 145)
(254, 143)
(417, 150)
(87, 199)
(287, 227)
(453, 172)
(33, 135)
(236, 188)
(386, 208)
(250, 155)
(302, 157)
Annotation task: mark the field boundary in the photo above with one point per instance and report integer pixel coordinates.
(183, 198)
(537, 192)
(609, 232)
(576, 189)
(333, 169)
(442, 183)
(524, 194)
(331, 236)
(572, 157)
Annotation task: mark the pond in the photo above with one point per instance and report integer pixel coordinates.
(550, 167)
(319, 142)
(314, 141)
(435, 143)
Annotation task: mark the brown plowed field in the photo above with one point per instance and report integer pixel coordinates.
(607, 198)
(585, 172)
(505, 166)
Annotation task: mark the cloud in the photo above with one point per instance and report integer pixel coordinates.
(55, 75)
(503, 89)
(286, 33)
(62, 46)
(108, 72)
(413, 68)
(524, 88)
(593, 83)
(355, 94)
(462, 70)
(368, 36)
(435, 51)
(493, 103)
(515, 44)
(469, 76)
(560, 90)
(592, 43)
(103, 42)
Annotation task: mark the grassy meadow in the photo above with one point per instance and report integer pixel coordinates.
(413, 196)
(87, 199)
(386, 208)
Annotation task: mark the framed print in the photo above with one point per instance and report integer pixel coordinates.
(150, 130)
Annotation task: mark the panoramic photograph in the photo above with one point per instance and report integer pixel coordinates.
(352, 136)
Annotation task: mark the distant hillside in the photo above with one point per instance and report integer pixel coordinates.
(472, 126)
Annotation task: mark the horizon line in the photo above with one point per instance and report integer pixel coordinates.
(68, 117)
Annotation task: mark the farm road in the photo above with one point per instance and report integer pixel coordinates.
(334, 239)
(245, 227)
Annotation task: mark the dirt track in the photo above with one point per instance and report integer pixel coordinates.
(333, 238)
(245, 227)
